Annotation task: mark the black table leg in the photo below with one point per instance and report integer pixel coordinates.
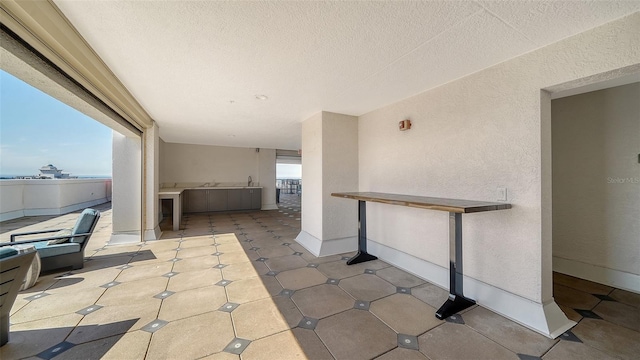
(456, 301)
(362, 254)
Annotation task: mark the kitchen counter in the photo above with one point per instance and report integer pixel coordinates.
(172, 190)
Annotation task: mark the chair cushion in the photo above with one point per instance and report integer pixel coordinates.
(84, 224)
(46, 250)
(7, 251)
(62, 232)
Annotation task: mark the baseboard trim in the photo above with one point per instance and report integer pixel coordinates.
(10, 215)
(616, 278)
(309, 242)
(130, 237)
(328, 247)
(269, 207)
(546, 319)
(153, 234)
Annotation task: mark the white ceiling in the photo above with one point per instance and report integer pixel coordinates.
(197, 66)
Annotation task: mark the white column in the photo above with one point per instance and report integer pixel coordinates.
(267, 178)
(329, 164)
(152, 183)
(127, 189)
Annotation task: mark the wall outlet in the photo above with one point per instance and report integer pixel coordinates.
(501, 194)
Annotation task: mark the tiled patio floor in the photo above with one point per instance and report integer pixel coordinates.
(237, 285)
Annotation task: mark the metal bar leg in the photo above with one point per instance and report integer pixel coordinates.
(362, 254)
(456, 301)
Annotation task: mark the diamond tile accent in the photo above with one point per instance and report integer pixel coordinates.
(263, 259)
(333, 281)
(88, 309)
(217, 253)
(124, 267)
(403, 290)
(569, 336)
(110, 285)
(170, 274)
(228, 307)
(361, 305)
(308, 323)
(37, 296)
(312, 265)
(237, 346)
(55, 350)
(286, 292)
(588, 314)
(604, 297)
(408, 341)
(224, 282)
(528, 357)
(272, 273)
(369, 271)
(248, 240)
(345, 258)
(220, 266)
(164, 294)
(176, 249)
(455, 319)
(254, 248)
(154, 326)
(297, 253)
(286, 244)
(175, 260)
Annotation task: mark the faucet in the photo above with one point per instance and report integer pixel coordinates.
(249, 181)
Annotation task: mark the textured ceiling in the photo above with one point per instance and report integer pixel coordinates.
(197, 66)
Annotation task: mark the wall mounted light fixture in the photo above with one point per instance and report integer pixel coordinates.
(404, 125)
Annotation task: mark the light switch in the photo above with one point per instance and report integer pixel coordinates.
(501, 194)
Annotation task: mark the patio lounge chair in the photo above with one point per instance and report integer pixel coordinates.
(66, 248)
(13, 270)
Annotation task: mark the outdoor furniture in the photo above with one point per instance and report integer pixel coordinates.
(34, 269)
(66, 248)
(456, 207)
(13, 269)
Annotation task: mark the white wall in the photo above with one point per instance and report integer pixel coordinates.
(312, 220)
(20, 198)
(490, 129)
(186, 163)
(596, 184)
(127, 189)
(329, 164)
(340, 164)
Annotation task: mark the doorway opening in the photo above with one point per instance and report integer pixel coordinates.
(289, 182)
(595, 196)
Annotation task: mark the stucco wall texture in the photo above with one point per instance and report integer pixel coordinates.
(483, 131)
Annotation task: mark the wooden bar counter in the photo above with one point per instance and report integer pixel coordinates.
(455, 207)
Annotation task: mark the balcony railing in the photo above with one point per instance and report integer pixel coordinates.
(32, 197)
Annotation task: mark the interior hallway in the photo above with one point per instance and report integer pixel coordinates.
(236, 285)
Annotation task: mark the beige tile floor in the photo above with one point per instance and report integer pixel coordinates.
(237, 285)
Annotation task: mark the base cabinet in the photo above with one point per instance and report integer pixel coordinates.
(218, 200)
(205, 200)
(195, 201)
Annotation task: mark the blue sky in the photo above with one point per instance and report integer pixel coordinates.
(36, 130)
